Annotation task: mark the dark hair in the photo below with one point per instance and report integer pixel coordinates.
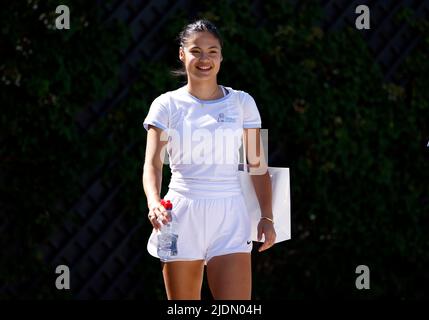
(202, 25)
(198, 26)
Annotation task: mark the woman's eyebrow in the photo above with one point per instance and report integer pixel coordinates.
(212, 47)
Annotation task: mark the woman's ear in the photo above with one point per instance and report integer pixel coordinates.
(181, 54)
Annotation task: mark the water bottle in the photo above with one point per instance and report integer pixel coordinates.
(167, 238)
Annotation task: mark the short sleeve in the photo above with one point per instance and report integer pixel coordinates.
(158, 114)
(251, 116)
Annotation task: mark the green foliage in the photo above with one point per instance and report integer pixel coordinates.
(354, 144)
(47, 77)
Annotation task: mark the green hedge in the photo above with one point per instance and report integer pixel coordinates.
(47, 77)
(355, 145)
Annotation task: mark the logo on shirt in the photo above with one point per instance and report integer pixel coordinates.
(222, 118)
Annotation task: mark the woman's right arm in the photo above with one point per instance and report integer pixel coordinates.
(152, 174)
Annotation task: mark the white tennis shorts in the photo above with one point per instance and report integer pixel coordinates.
(207, 227)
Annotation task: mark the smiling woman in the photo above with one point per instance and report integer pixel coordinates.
(201, 55)
(213, 225)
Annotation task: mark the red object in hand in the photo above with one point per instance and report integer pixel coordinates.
(167, 204)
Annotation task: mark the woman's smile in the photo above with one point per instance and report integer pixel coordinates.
(204, 68)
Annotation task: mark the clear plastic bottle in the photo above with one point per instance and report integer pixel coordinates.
(167, 237)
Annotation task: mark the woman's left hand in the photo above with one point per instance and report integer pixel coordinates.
(266, 228)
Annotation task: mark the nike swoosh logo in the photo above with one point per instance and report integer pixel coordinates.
(249, 242)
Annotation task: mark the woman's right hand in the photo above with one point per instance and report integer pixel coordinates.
(158, 214)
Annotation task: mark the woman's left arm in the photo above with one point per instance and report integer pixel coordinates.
(258, 169)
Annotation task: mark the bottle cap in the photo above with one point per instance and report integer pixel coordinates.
(167, 204)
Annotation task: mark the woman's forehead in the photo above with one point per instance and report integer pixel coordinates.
(203, 40)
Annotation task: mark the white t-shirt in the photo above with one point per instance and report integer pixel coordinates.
(204, 139)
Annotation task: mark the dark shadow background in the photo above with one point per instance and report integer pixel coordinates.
(347, 112)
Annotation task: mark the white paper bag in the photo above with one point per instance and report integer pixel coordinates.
(280, 204)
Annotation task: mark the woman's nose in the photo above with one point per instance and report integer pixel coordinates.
(203, 56)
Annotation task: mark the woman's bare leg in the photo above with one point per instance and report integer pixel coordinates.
(230, 276)
(183, 279)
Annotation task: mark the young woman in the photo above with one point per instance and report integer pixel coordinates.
(208, 206)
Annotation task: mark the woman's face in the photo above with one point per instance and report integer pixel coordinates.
(201, 56)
